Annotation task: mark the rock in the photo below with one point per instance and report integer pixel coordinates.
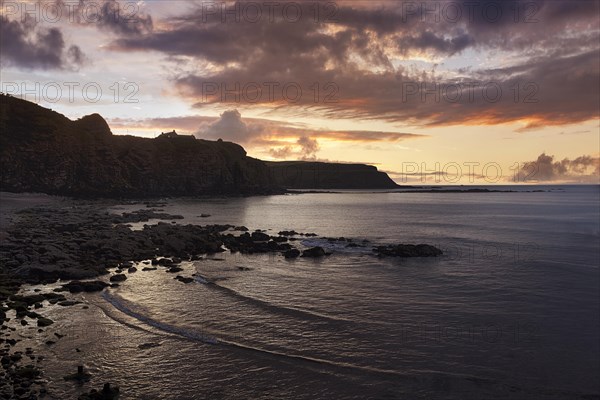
(149, 269)
(184, 279)
(42, 321)
(260, 237)
(118, 278)
(107, 393)
(145, 346)
(85, 286)
(314, 252)
(174, 269)
(288, 233)
(28, 372)
(132, 270)
(68, 303)
(81, 375)
(244, 268)
(292, 253)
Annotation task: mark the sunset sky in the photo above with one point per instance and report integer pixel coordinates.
(501, 90)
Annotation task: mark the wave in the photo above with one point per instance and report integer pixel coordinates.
(211, 338)
(412, 376)
(286, 310)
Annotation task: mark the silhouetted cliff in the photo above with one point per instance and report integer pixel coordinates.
(320, 175)
(44, 151)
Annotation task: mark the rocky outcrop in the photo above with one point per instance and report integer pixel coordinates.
(43, 151)
(320, 175)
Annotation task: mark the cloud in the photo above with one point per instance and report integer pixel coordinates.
(228, 127)
(24, 44)
(279, 139)
(584, 169)
(308, 148)
(551, 61)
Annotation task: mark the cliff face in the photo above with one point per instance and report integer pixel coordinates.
(43, 151)
(319, 175)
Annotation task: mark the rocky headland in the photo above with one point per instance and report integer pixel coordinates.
(43, 151)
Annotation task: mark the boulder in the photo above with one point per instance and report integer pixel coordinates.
(314, 252)
(118, 278)
(292, 253)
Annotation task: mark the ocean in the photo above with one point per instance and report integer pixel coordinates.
(510, 311)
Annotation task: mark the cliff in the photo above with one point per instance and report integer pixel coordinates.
(44, 151)
(320, 175)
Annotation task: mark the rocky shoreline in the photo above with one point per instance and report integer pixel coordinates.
(80, 242)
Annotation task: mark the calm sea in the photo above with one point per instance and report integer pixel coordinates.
(511, 311)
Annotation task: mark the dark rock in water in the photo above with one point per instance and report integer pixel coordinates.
(288, 233)
(184, 279)
(241, 229)
(68, 303)
(145, 346)
(42, 321)
(260, 237)
(29, 300)
(175, 269)
(149, 269)
(118, 278)
(314, 252)
(204, 215)
(240, 268)
(85, 286)
(165, 262)
(408, 250)
(28, 372)
(132, 270)
(107, 393)
(292, 253)
(81, 375)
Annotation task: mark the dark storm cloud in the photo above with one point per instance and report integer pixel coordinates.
(553, 47)
(24, 44)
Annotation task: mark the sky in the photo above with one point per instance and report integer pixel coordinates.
(431, 92)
